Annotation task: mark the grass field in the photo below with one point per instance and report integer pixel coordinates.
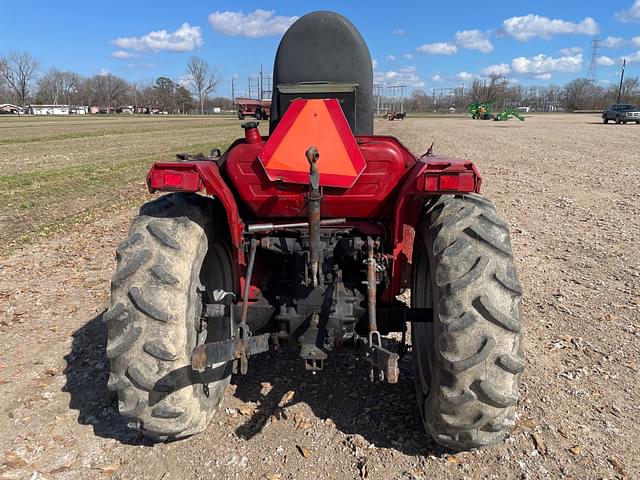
(61, 170)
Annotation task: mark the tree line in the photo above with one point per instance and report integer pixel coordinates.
(23, 83)
(579, 94)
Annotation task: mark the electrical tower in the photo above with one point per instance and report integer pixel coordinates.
(592, 73)
(447, 97)
(388, 98)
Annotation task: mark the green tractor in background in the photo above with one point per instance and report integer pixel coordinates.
(482, 111)
(507, 113)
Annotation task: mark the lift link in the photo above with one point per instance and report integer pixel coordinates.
(314, 198)
(242, 344)
(383, 364)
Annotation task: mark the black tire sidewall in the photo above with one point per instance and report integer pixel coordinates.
(424, 335)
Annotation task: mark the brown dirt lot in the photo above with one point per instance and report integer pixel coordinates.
(567, 185)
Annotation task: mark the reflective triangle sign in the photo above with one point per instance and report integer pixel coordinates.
(319, 123)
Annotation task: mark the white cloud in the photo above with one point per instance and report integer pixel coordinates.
(466, 76)
(391, 58)
(138, 66)
(570, 51)
(439, 48)
(605, 61)
(436, 77)
(544, 76)
(104, 71)
(501, 69)
(184, 39)
(635, 41)
(612, 42)
(403, 76)
(633, 58)
(469, 39)
(541, 64)
(374, 63)
(259, 23)
(187, 81)
(631, 15)
(399, 32)
(474, 40)
(410, 56)
(123, 54)
(532, 26)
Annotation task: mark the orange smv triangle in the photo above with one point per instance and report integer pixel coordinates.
(319, 123)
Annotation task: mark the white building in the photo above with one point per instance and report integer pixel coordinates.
(57, 109)
(48, 109)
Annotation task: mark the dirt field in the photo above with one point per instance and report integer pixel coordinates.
(569, 187)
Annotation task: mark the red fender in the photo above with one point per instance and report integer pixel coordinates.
(195, 176)
(428, 178)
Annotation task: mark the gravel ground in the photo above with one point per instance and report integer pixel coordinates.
(569, 188)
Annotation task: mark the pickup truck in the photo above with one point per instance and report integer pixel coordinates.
(621, 113)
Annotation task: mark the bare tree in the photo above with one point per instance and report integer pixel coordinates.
(579, 94)
(58, 87)
(5, 95)
(202, 80)
(630, 88)
(18, 71)
(109, 89)
(483, 91)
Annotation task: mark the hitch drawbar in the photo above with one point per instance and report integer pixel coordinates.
(239, 348)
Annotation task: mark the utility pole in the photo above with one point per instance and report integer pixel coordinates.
(624, 62)
(233, 91)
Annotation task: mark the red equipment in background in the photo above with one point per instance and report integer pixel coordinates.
(253, 107)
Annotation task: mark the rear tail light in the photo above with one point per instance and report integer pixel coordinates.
(160, 179)
(450, 177)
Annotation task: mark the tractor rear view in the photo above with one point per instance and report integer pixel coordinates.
(305, 238)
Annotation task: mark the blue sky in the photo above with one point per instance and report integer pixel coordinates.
(418, 43)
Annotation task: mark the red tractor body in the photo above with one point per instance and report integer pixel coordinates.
(307, 237)
(384, 201)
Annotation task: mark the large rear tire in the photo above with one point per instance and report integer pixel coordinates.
(468, 360)
(177, 249)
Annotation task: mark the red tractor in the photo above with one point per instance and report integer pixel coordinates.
(306, 237)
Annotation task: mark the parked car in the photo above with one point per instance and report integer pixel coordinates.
(621, 113)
